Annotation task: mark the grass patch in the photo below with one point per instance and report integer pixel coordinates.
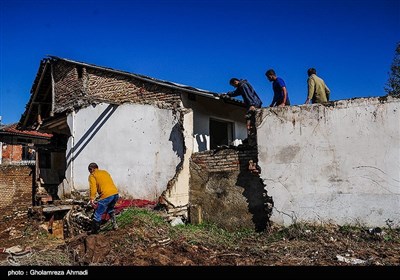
(147, 224)
(208, 233)
(137, 215)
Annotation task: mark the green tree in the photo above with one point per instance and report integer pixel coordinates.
(393, 83)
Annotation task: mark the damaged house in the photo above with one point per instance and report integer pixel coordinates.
(142, 130)
(173, 144)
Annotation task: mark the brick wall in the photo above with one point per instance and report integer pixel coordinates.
(15, 188)
(76, 86)
(223, 191)
(11, 153)
(224, 160)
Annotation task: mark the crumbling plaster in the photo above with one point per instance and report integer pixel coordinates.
(115, 137)
(195, 125)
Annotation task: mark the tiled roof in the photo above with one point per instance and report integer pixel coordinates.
(12, 129)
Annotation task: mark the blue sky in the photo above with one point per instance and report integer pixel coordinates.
(204, 43)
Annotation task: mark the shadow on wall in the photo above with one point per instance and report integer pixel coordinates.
(259, 203)
(90, 133)
(176, 137)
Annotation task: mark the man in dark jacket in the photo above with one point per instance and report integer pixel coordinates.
(249, 95)
(250, 98)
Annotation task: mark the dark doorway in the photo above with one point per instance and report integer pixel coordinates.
(221, 133)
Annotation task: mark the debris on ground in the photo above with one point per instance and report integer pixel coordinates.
(145, 238)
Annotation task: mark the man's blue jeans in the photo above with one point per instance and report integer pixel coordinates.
(105, 205)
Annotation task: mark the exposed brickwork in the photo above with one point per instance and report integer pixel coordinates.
(224, 160)
(77, 86)
(222, 180)
(15, 188)
(11, 153)
(68, 88)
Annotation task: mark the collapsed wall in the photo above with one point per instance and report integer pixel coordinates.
(224, 191)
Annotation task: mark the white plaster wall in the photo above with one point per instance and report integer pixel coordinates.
(206, 108)
(337, 164)
(137, 144)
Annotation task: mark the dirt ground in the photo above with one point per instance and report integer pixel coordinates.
(146, 240)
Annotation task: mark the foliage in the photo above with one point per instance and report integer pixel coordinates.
(393, 83)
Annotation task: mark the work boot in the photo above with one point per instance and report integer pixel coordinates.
(95, 227)
(114, 221)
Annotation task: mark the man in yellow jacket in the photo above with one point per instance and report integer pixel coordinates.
(318, 92)
(101, 183)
